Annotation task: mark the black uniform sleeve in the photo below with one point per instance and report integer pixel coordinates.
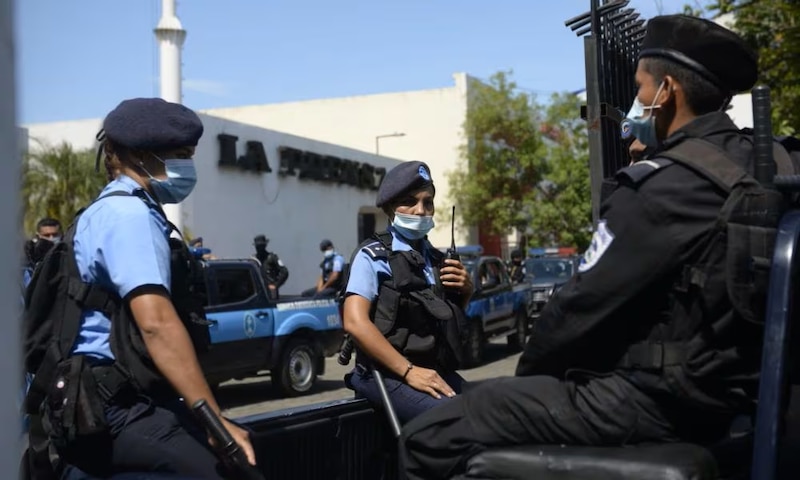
(651, 229)
(283, 273)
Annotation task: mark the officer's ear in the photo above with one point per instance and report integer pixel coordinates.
(669, 93)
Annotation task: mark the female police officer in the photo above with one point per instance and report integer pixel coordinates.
(394, 306)
(121, 243)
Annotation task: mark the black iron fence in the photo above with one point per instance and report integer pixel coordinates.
(611, 35)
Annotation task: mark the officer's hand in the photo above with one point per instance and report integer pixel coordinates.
(272, 287)
(455, 276)
(242, 438)
(427, 380)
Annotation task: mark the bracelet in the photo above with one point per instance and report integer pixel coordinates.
(408, 369)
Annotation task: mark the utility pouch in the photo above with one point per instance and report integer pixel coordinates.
(74, 412)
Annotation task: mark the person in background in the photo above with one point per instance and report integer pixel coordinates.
(273, 271)
(516, 269)
(200, 252)
(330, 278)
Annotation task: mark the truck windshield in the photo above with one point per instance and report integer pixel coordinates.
(544, 269)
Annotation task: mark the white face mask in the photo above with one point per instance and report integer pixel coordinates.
(328, 253)
(412, 227)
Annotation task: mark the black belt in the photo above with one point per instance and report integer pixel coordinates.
(653, 356)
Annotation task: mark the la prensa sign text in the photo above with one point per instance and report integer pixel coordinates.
(302, 164)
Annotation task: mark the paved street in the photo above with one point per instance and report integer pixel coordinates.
(256, 395)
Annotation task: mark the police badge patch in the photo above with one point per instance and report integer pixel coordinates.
(424, 173)
(601, 240)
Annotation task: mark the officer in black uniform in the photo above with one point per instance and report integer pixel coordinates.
(516, 270)
(644, 343)
(273, 271)
(397, 308)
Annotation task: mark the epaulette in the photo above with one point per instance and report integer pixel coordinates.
(375, 250)
(641, 170)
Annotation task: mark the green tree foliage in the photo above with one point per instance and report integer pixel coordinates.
(772, 27)
(561, 213)
(524, 166)
(57, 182)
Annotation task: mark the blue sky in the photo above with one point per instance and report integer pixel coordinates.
(79, 59)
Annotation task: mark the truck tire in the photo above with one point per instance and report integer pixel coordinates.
(297, 370)
(474, 346)
(516, 341)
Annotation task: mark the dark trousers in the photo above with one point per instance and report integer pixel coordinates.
(605, 410)
(407, 401)
(149, 438)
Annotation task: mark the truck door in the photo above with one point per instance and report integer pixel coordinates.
(490, 285)
(504, 293)
(242, 322)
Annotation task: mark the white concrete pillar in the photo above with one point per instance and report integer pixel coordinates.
(170, 35)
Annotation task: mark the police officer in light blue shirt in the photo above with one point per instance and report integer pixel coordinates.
(330, 279)
(121, 243)
(393, 308)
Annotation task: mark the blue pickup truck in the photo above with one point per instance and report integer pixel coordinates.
(547, 275)
(498, 308)
(250, 333)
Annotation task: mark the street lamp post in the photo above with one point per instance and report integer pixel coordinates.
(378, 138)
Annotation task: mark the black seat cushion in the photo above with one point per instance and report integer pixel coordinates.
(677, 461)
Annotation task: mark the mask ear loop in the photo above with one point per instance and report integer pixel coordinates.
(101, 137)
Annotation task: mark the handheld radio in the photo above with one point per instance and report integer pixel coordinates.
(451, 252)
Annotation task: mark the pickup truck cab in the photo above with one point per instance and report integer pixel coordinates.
(497, 308)
(547, 275)
(289, 337)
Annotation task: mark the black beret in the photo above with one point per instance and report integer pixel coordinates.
(260, 239)
(406, 177)
(325, 244)
(152, 124)
(709, 49)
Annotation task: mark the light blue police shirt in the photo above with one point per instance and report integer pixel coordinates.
(120, 244)
(364, 270)
(338, 262)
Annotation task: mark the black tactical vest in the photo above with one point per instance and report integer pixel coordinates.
(415, 317)
(57, 296)
(327, 269)
(708, 350)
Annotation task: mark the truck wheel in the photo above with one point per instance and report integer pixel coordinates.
(473, 349)
(516, 341)
(297, 371)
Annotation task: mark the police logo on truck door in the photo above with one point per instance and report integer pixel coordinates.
(249, 325)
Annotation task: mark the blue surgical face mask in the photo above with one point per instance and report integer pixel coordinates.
(180, 181)
(412, 227)
(640, 121)
(328, 253)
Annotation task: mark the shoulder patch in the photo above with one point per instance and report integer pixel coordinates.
(375, 250)
(641, 170)
(601, 240)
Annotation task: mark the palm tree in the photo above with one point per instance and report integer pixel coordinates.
(57, 182)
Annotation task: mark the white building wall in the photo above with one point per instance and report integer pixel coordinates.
(432, 121)
(230, 206)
